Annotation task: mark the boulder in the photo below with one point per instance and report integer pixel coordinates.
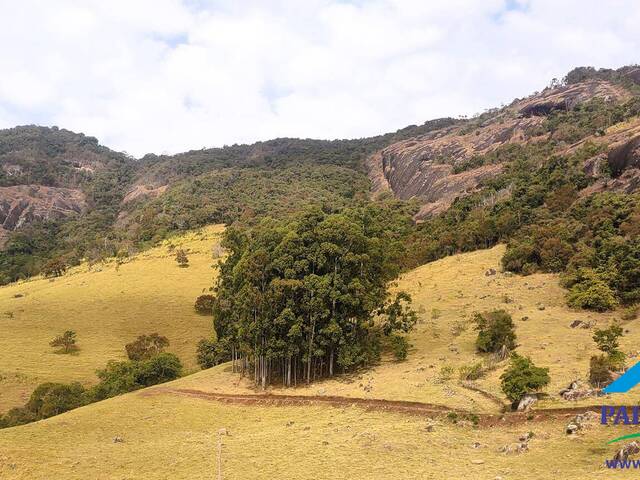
(572, 429)
(527, 401)
(624, 453)
(580, 324)
(581, 422)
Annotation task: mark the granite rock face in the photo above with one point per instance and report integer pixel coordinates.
(23, 204)
(434, 168)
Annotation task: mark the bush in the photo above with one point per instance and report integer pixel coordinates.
(211, 353)
(67, 341)
(122, 377)
(495, 330)
(159, 369)
(181, 258)
(17, 416)
(204, 304)
(54, 268)
(446, 372)
(591, 292)
(522, 377)
(50, 399)
(146, 346)
(607, 339)
(630, 313)
(47, 400)
(599, 371)
(399, 347)
(518, 256)
(472, 372)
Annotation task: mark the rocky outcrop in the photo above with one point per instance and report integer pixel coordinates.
(144, 191)
(568, 97)
(24, 204)
(435, 169)
(624, 155)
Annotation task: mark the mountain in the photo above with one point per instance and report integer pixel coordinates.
(442, 165)
(64, 195)
(50, 174)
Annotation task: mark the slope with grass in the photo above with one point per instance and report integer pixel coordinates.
(446, 294)
(156, 434)
(108, 305)
(165, 432)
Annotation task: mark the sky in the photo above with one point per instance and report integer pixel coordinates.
(166, 76)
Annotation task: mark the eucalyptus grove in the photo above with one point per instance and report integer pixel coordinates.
(304, 299)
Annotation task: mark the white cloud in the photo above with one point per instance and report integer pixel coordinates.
(170, 75)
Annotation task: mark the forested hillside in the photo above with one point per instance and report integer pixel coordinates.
(545, 163)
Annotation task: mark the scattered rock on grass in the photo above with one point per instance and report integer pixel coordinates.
(527, 401)
(629, 449)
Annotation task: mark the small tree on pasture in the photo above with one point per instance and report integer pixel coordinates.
(495, 331)
(67, 341)
(181, 258)
(146, 346)
(522, 377)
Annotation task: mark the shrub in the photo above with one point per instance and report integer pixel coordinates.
(204, 304)
(50, 399)
(555, 255)
(617, 361)
(522, 377)
(211, 353)
(591, 292)
(17, 416)
(123, 377)
(607, 339)
(495, 330)
(399, 347)
(630, 313)
(599, 372)
(159, 369)
(398, 315)
(473, 371)
(518, 256)
(146, 346)
(67, 342)
(446, 372)
(54, 268)
(181, 258)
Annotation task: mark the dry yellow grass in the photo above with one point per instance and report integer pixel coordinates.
(170, 436)
(108, 306)
(166, 436)
(452, 289)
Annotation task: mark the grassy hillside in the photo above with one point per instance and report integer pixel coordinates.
(108, 305)
(166, 434)
(446, 293)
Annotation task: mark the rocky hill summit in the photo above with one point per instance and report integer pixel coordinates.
(442, 165)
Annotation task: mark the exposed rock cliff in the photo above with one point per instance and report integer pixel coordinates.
(22, 204)
(428, 167)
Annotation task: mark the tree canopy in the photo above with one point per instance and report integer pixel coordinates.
(297, 299)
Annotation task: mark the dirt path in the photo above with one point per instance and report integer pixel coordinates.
(379, 405)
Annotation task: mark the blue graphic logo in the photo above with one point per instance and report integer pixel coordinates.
(625, 382)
